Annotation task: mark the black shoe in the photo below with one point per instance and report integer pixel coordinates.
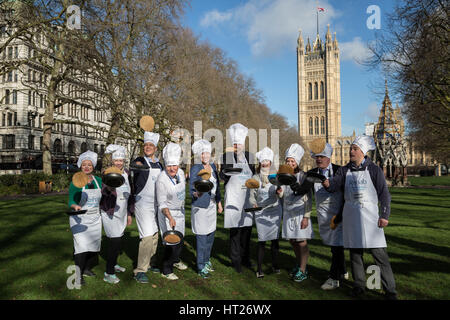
(357, 292)
(88, 273)
(390, 296)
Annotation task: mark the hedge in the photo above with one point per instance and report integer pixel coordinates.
(12, 184)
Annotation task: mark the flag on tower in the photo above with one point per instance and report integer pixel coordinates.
(320, 9)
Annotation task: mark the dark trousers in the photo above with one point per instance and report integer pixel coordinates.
(85, 260)
(381, 260)
(274, 249)
(171, 256)
(337, 269)
(240, 246)
(112, 254)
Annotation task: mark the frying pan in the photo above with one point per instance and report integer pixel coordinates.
(172, 237)
(286, 179)
(136, 167)
(232, 171)
(73, 212)
(253, 209)
(113, 180)
(203, 185)
(314, 177)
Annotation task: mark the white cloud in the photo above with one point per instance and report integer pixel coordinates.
(355, 50)
(215, 17)
(272, 25)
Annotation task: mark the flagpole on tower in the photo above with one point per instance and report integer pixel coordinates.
(317, 14)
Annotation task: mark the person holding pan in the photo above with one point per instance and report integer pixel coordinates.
(84, 195)
(170, 194)
(297, 207)
(115, 209)
(145, 171)
(205, 205)
(236, 196)
(328, 205)
(365, 214)
(268, 219)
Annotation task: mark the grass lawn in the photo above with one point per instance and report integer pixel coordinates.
(430, 181)
(36, 249)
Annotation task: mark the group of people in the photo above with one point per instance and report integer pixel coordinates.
(155, 196)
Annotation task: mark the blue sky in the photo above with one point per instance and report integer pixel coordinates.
(261, 36)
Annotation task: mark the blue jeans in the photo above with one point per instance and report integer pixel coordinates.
(204, 247)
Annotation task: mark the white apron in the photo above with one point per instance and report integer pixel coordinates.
(360, 216)
(204, 220)
(87, 228)
(236, 197)
(145, 206)
(268, 219)
(328, 205)
(114, 225)
(293, 211)
(175, 198)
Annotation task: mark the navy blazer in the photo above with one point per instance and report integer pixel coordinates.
(204, 200)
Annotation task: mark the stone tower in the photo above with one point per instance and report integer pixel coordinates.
(319, 91)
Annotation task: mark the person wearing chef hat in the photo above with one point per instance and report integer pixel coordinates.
(115, 212)
(268, 219)
(236, 197)
(170, 194)
(144, 205)
(86, 228)
(297, 207)
(328, 205)
(204, 212)
(365, 214)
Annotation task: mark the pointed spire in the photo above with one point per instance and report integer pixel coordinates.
(328, 35)
(308, 46)
(300, 39)
(335, 42)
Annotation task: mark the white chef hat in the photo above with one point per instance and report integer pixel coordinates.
(172, 154)
(238, 133)
(151, 137)
(201, 146)
(118, 152)
(264, 154)
(295, 151)
(326, 152)
(88, 155)
(365, 143)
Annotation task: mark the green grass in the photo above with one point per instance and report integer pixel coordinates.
(36, 246)
(430, 181)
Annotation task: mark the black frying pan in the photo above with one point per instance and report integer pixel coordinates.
(113, 180)
(203, 185)
(253, 209)
(172, 237)
(232, 171)
(314, 177)
(73, 212)
(286, 179)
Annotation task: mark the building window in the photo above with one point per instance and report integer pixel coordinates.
(96, 148)
(57, 146)
(322, 95)
(310, 91)
(10, 53)
(102, 149)
(10, 77)
(322, 125)
(83, 147)
(14, 97)
(41, 143)
(9, 141)
(10, 118)
(71, 147)
(3, 119)
(29, 97)
(7, 93)
(311, 126)
(316, 91)
(31, 142)
(316, 125)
